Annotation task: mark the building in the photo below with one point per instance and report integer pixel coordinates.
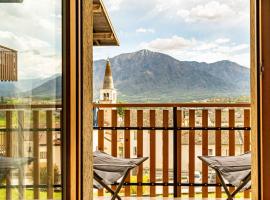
(108, 93)
(8, 64)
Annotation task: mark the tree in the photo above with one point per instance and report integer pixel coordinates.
(121, 110)
(2, 100)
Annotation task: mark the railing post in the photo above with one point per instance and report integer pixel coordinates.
(179, 152)
(9, 152)
(191, 148)
(36, 170)
(20, 137)
(100, 138)
(127, 147)
(140, 151)
(152, 165)
(175, 163)
(50, 169)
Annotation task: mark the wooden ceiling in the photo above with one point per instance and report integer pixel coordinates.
(103, 33)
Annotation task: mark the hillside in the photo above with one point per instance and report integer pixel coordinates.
(147, 76)
(151, 76)
(51, 88)
(23, 87)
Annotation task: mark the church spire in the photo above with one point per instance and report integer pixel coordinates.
(108, 79)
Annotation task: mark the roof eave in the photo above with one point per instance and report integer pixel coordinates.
(114, 41)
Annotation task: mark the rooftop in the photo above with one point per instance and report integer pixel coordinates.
(103, 33)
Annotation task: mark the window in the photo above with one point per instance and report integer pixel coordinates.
(135, 136)
(43, 155)
(134, 151)
(210, 152)
(31, 34)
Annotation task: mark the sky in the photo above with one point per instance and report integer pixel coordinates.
(194, 30)
(33, 28)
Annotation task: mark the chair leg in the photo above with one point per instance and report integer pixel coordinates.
(99, 180)
(231, 195)
(120, 185)
(245, 181)
(224, 185)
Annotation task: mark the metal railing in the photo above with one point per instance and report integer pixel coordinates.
(172, 134)
(24, 132)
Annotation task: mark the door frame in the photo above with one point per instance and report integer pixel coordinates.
(71, 121)
(77, 99)
(260, 98)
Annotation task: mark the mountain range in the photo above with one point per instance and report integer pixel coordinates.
(146, 76)
(39, 87)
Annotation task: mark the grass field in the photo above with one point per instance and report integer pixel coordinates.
(28, 194)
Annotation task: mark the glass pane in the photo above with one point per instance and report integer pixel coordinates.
(30, 99)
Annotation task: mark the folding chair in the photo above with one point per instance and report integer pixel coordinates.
(7, 164)
(235, 169)
(108, 170)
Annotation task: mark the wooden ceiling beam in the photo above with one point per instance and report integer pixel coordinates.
(103, 36)
(97, 8)
(104, 33)
(96, 43)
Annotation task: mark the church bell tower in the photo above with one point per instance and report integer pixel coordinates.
(108, 93)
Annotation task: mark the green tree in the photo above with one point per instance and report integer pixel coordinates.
(121, 110)
(2, 100)
(43, 175)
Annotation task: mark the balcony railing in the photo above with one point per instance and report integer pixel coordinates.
(172, 136)
(32, 131)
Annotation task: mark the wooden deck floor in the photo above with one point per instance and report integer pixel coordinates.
(163, 198)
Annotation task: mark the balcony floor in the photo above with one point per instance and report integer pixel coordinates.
(162, 198)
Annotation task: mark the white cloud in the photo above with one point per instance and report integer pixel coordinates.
(211, 11)
(36, 58)
(33, 65)
(233, 11)
(200, 50)
(187, 10)
(114, 5)
(22, 42)
(145, 30)
(173, 43)
(33, 28)
(222, 40)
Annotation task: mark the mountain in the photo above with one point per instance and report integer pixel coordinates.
(146, 76)
(8, 89)
(152, 76)
(23, 87)
(51, 88)
(28, 84)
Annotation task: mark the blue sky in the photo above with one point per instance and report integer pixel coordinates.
(33, 28)
(197, 30)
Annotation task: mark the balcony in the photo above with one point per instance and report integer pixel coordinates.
(31, 131)
(172, 136)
